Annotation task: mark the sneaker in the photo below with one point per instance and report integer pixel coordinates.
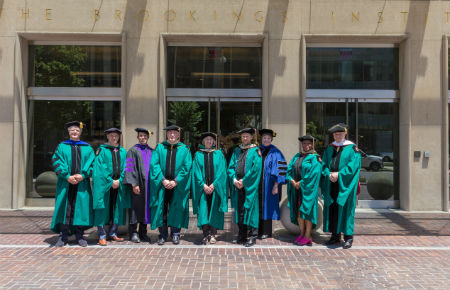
(82, 243)
(212, 239)
(61, 242)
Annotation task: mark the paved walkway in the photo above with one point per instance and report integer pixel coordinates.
(392, 249)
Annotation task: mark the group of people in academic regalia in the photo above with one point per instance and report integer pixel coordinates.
(153, 186)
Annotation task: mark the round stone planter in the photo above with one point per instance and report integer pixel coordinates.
(381, 186)
(46, 184)
(292, 228)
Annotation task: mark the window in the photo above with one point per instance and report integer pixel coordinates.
(213, 89)
(66, 83)
(358, 86)
(352, 68)
(74, 66)
(214, 67)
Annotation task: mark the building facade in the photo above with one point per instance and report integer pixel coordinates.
(293, 66)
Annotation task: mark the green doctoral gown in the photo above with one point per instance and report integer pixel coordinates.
(309, 188)
(178, 215)
(253, 167)
(102, 179)
(349, 167)
(219, 203)
(62, 163)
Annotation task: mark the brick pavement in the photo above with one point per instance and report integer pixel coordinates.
(392, 249)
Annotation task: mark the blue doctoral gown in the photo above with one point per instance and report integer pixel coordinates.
(274, 170)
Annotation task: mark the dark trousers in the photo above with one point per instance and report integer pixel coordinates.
(265, 227)
(64, 232)
(333, 214)
(133, 229)
(244, 230)
(164, 230)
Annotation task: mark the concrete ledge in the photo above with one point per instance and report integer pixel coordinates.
(40, 202)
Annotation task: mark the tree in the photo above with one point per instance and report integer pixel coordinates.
(56, 65)
(187, 115)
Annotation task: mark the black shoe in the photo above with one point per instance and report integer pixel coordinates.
(82, 243)
(144, 238)
(348, 244)
(176, 240)
(335, 239)
(134, 238)
(61, 242)
(161, 241)
(239, 240)
(263, 237)
(250, 242)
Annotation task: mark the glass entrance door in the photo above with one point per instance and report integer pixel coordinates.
(373, 126)
(220, 115)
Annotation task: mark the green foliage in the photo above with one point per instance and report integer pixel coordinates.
(313, 130)
(56, 65)
(187, 115)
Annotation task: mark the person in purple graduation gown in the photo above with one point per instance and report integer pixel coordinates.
(136, 175)
(273, 176)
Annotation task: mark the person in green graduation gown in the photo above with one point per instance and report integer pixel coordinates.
(244, 173)
(303, 176)
(72, 163)
(169, 186)
(111, 195)
(209, 187)
(341, 163)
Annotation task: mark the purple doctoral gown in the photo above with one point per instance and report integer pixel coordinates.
(136, 173)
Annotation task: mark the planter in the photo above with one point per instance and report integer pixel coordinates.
(46, 184)
(381, 186)
(292, 228)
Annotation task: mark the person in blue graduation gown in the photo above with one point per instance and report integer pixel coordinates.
(341, 164)
(273, 175)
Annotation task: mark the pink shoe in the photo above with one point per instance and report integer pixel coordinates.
(298, 239)
(305, 242)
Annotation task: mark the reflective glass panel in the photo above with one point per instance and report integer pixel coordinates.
(214, 67)
(228, 117)
(47, 131)
(374, 127)
(352, 68)
(74, 66)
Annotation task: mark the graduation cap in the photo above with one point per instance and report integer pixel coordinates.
(74, 123)
(341, 127)
(306, 138)
(206, 134)
(113, 130)
(149, 133)
(173, 127)
(267, 132)
(247, 130)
